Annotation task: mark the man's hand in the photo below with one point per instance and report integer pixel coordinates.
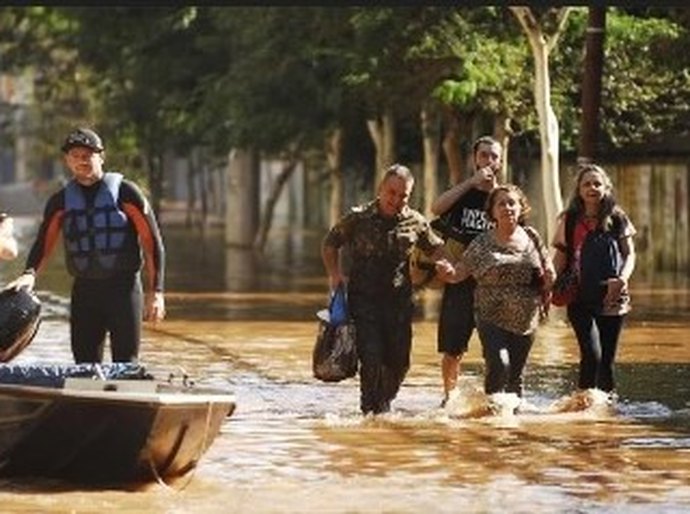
(485, 178)
(335, 279)
(24, 281)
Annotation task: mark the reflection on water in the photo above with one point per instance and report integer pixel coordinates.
(297, 445)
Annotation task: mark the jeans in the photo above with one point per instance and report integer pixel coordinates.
(505, 355)
(597, 337)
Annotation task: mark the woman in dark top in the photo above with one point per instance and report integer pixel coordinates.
(595, 236)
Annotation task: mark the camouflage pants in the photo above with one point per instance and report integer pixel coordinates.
(384, 341)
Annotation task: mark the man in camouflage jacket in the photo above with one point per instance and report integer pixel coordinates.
(379, 237)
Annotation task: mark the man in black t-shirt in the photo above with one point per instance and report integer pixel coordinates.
(464, 203)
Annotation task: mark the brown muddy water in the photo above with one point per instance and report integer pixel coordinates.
(294, 444)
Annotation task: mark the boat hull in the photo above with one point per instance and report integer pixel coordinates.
(107, 431)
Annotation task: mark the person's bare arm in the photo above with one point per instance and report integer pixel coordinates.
(448, 198)
(484, 178)
(628, 251)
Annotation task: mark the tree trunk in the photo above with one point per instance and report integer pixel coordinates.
(267, 217)
(191, 190)
(334, 156)
(242, 198)
(548, 123)
(502, 133)
(549, 139)
(451, 146)
(382, 132)
(431, 136)
(204, 198)
(591, 84)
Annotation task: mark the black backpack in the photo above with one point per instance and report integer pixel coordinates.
(600, 259)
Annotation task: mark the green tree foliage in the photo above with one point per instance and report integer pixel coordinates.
(273, 92)
(279, 78)
(399, 55)
(491, 73)
(646, 92)
(645, 85)
(40, 41)
(143, 80)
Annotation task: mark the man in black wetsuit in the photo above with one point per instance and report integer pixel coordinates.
(109, 232)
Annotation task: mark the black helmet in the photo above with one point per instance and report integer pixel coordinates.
(83, 137)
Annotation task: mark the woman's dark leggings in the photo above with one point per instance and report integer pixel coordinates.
(505, 356)
(597, 337)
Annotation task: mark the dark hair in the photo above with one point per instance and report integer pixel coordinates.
(488, 140)
(608, 206)
(525, 207)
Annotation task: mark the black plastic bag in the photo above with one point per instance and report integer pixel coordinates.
(335, 352)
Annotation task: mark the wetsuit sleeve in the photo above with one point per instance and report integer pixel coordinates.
(136, 206)
(48, 232)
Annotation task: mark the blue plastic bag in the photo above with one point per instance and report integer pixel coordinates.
(337, 309)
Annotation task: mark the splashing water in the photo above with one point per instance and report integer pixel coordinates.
(467, 400)
(591, 400)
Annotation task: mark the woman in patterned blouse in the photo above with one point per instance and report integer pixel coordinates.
(512, 268)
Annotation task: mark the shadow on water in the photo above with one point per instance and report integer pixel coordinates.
(247, 322)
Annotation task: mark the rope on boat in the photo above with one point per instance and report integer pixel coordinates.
(190, 475)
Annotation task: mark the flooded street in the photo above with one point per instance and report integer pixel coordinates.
(298, 445)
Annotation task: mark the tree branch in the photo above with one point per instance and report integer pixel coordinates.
(561, 20)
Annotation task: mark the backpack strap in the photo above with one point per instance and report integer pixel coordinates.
(538, 244)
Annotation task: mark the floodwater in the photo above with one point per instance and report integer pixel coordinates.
(297, 445)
